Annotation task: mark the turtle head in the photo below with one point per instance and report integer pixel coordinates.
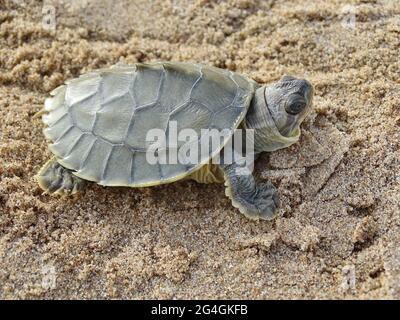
(289, 101)
(277, 112)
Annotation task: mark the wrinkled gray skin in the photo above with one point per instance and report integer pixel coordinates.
(275, 115)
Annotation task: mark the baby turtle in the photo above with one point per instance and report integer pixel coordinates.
(98, 125)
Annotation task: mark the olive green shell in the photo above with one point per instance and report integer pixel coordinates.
(98, 122)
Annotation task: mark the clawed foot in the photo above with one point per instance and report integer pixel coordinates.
(55, 179)
(261, 203)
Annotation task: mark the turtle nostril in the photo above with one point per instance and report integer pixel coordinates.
(309, 92)
(306, 90)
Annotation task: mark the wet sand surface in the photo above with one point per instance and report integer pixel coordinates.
(337, 231)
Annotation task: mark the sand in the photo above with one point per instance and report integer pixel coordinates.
(337, 231)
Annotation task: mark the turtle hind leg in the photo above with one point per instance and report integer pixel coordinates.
(55, 179)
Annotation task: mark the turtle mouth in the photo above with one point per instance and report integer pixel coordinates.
(289, 130)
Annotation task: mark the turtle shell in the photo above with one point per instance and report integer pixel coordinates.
(97, 123)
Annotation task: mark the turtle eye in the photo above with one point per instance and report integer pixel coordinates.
(295, 106)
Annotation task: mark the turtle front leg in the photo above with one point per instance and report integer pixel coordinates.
(55, 179)
(254, 200)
